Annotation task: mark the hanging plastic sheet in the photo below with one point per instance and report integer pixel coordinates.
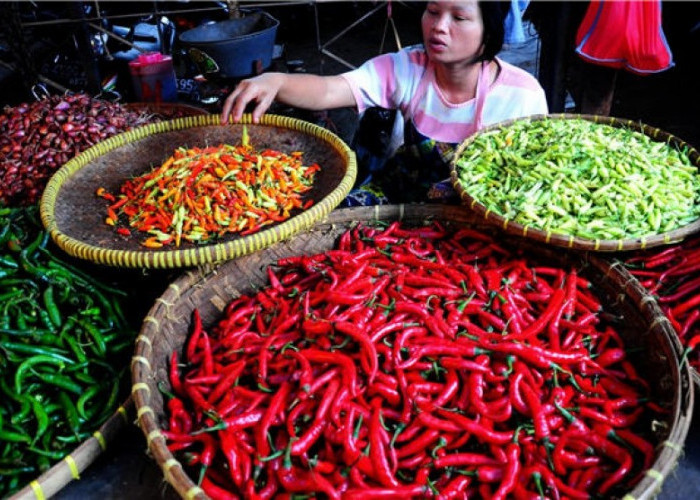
(626, 35)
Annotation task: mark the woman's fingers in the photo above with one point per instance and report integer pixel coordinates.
(228, 105)
(261, 89)
(236, 103)
(251, 91)
(264, 103)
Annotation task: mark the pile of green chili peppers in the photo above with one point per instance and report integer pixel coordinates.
(581, 178)
(64, 349)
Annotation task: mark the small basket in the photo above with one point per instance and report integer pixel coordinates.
(74, 215)
(567, 240)
(166, 327)
(166, 110)
(69, 469)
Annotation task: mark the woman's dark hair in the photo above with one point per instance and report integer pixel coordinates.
(493, 14)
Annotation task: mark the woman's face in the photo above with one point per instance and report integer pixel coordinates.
(453, 31)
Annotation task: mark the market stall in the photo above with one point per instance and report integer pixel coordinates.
(187, 313)
(650, 415)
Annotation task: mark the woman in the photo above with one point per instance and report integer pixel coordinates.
(445, 90)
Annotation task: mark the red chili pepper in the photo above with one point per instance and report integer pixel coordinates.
(230, 376)
(377, 452)
(688, 323)
(346, 364)
(538, 326)
(644, 446)
(365, 342)
(686, 306)
(397, 493)
(538, 356)
(538, 417)
(195, 335)
(180, 420)
(277, 404)
(232, 454)
(297, 480)
(174, 375)
(610, 356)
(194, 394)
(464, 459)
(216, 492)
(622, 457)
(479, 431)
(208, 359)
(688, 287)
(319, 423)
(510, 475)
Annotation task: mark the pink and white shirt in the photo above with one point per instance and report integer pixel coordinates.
(405, 81)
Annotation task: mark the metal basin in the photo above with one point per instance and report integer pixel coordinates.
(239, 47)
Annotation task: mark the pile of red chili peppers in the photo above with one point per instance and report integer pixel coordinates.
(411, 362)
(673, 275)
(199, 194)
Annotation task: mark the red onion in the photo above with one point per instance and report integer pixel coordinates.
(39, 137)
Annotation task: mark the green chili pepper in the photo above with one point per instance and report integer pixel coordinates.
(577, 177)
(51, 307)
(53, 455)
(98, 342)
(84, 398)
(58, 354)
(29, 363)
(57, 390)
(61, 381)
(70, 411)
(14, 437)
(42, 418)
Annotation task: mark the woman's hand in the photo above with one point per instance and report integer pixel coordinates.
(262, 89)
(312, 92)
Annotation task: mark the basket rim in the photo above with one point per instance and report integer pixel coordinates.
(205, 254)
(568, 240)
(652, 481)
(143, 372)
(69, 468)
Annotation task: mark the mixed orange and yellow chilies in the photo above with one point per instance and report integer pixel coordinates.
(199, 194)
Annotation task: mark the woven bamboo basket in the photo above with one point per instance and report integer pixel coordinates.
(69, 469)
(74, 215)
(166, 327)
(620, 267)
(568, 240)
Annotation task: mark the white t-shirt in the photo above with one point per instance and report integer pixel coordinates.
(391, 81)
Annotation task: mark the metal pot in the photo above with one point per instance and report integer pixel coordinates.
(240, 47)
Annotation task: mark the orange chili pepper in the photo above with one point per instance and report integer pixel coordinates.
(223, 188)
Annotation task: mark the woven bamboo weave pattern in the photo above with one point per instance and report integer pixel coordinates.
(167, 325)
(74, 215)
(567, 240)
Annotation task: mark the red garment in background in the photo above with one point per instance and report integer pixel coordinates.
(624, 34)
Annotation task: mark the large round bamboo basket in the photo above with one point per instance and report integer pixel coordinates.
(568, 240)
(69, 469)
(167, 325)
(619, 263)
(74, 215)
